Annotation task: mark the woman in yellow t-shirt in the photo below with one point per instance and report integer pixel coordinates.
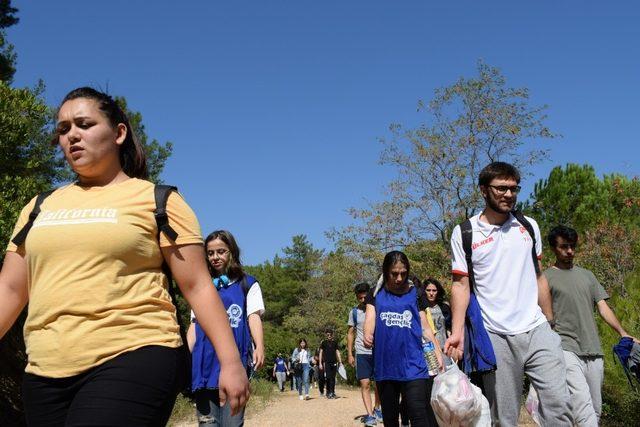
(102, 340)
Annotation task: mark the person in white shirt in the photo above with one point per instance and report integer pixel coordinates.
(302, 358)
(513, 298)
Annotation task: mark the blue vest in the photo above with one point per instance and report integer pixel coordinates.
(205, 364)
(397, 342)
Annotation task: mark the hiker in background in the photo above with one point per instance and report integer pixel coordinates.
(439, 313)
(301, 356)
(313, 375)
(329, 360)
(396, 326)
(363, 360)
(319, 373)
(280, 371)
(575, 292)
(503, 267)
(294, 370)
(242, 298)
(101, 326)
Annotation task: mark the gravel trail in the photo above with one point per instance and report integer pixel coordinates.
(286, 410)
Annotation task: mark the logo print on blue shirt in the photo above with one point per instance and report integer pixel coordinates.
(401, 320)
(235, 315)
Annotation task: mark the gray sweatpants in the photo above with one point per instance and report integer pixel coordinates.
(584, 378)
(281, 377)
(537, 354)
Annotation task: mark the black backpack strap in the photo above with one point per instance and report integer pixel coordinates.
(527, 225)
(466, 232)
(19, 238)
(161, 194)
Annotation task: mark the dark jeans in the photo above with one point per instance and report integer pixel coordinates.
(416, 395)
(136, 388)
(330, 370)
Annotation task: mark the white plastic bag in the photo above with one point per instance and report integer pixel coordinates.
(342, 372)
(484, 418)
(455, 401)
(532, 405)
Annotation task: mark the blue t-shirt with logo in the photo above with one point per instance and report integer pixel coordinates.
(280, 365)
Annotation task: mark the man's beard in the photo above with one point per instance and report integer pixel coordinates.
(495, 206)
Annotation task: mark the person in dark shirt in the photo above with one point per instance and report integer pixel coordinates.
(330, 359)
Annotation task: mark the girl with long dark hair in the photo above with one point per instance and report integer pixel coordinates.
(396, 325)
(439, 310)
(242, 298)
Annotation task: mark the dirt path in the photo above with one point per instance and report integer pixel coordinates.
(287, 410)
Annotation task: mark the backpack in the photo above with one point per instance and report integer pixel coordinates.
(354, 316)
(628, 354)
(161, 195)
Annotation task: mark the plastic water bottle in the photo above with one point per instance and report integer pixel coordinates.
(429, 352)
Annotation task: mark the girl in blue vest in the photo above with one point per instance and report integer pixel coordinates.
(395, 325)
(242, 298)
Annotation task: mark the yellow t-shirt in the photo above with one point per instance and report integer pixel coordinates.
(96, 287)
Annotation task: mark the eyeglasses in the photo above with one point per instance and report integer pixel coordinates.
(502, 189)
(219, 252)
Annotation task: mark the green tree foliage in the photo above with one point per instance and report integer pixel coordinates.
(612, 252)
(281, 293)
(576, 196)
(572, 195)
(620, 402)
(157, 152)
(7, 55)
(467, 125)
(29, 164)
(430, 258)
(301, 259)
(328, 297)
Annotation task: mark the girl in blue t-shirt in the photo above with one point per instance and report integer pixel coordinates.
(242, 298)
(395, 325)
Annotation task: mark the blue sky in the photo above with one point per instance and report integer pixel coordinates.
(275, 108)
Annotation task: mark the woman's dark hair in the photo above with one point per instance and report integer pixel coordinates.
(390, 259)
(234, 266)
(498, 170)
(440, 292)
(306, 345)
(567, 233)
(133, 159)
